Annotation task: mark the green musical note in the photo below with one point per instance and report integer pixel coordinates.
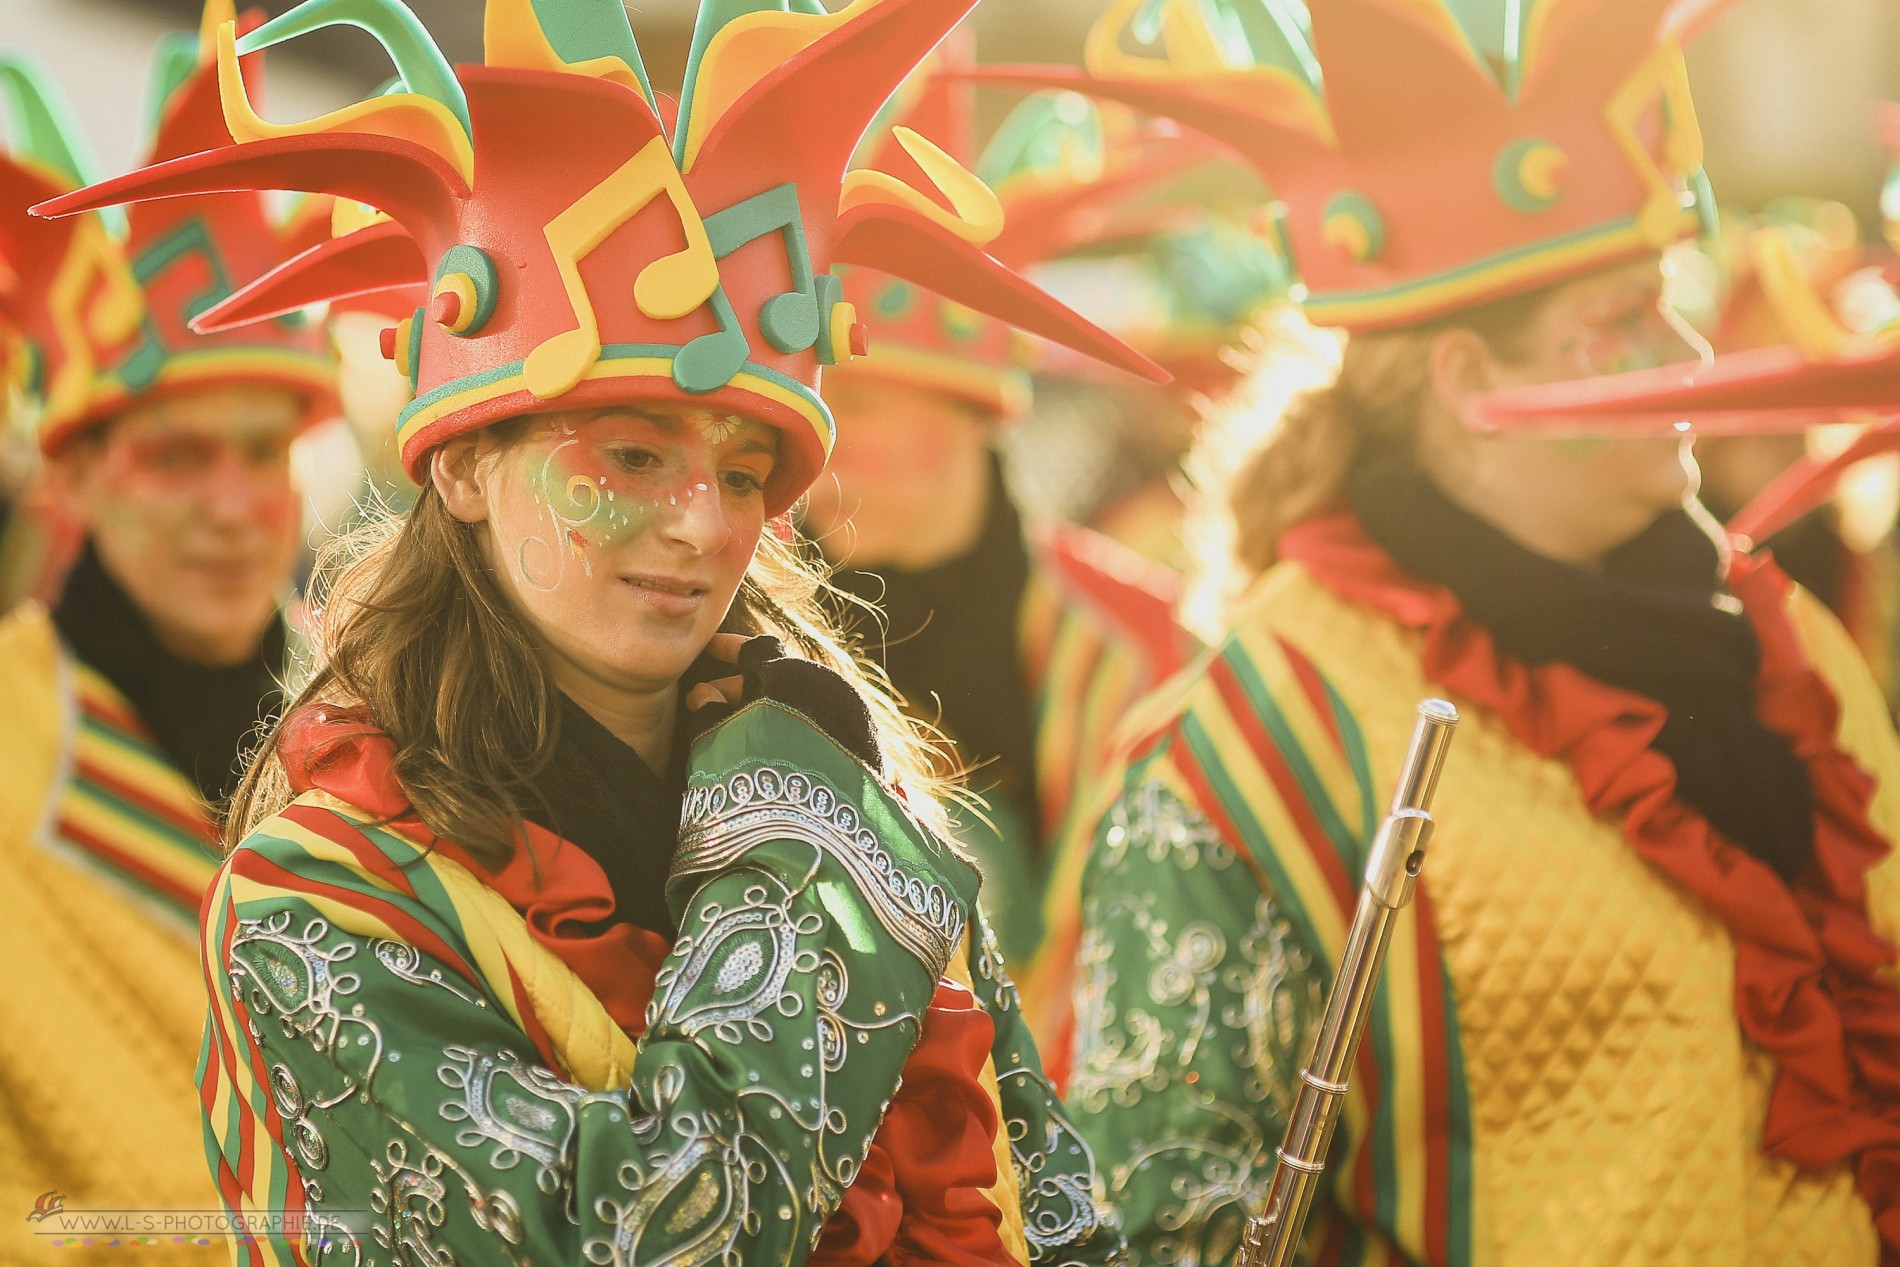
(709, 362)
(789, 322)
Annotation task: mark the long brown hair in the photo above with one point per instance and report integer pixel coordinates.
(1315, 404)
(415, 635)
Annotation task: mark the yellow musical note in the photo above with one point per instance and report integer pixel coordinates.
(1664, 75)
(666, 289)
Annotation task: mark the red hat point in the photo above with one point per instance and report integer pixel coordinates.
(949, 337)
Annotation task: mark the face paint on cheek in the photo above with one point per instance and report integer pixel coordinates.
(582, 513)
(143, 504)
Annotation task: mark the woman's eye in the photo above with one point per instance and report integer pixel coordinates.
(634, 459)
(177, 457)
(744, 482)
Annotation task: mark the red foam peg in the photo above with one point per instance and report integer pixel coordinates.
(446, 309)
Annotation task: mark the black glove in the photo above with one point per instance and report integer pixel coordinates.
(820, 694)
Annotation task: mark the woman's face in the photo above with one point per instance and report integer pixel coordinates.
(191, 504)
(1568, 497)
(621, 534)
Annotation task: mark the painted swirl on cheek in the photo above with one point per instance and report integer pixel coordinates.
(582, 513)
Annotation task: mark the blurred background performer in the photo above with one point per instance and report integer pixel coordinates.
(1643, 1012)
(1146, 228)
(1025, 645)
(616, 360)
(129, 703)
(1798, 270)
(1136, 222)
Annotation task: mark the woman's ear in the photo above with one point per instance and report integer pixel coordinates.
(1461, 367)
(71, 478)
(461, 477)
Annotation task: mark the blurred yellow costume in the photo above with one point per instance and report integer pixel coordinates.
(97, 854)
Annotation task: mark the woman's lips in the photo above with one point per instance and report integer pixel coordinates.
(226, 571)
(666, 594)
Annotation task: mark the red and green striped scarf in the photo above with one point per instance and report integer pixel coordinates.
(124, 810)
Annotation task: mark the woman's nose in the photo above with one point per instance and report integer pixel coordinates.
(694, 515)
(233, 490)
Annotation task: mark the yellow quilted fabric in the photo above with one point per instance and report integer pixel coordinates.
(1616, 1105)
(102, 1010)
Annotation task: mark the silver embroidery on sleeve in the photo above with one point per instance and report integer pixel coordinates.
(406, 962)
(1060, 1211)
(1137, 1043)
(521, 1110)
(410, 1196)
(723, 820)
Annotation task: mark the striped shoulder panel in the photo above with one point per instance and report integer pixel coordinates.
(1085, 674)
(1097, 631)
(1133, 598)
(256, 1179)
(373, 881)
(125, 810)
(309, 862)
(323, 861)
(1267, 750)
(1127, 727)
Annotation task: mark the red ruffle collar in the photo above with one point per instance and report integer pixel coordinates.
(558, 889)
(1808, 985)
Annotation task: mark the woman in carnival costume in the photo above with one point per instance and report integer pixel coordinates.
(1643, 1011)
(1024, 644)
(131, 697)
(480, 986)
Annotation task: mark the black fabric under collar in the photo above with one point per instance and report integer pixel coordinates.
(205, 718)
(951, 640)
(1655, 621)
(598, 794)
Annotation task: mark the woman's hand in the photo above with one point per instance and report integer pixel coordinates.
(766, 672)
(730, 691)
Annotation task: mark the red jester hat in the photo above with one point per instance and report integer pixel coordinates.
(1430, 155)
(583, 242)
(95, 313)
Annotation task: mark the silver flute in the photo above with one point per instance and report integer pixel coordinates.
(1398, 852)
